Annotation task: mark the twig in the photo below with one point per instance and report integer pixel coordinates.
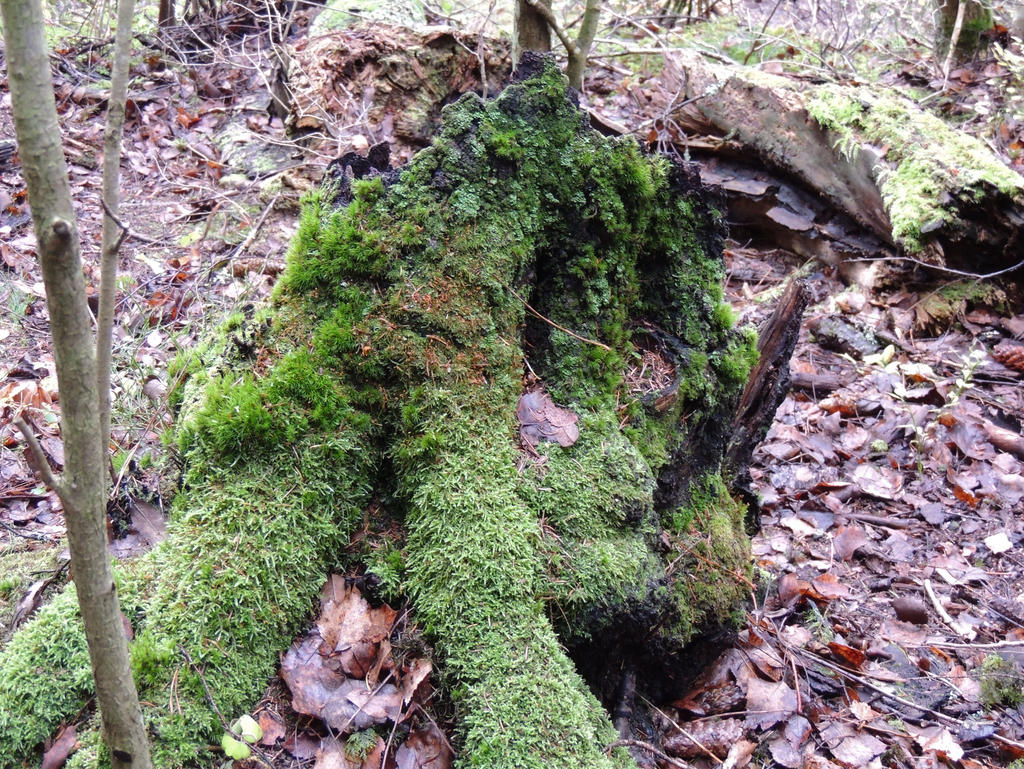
(423, 711)
(260, 755)
(954, 41)
(948, 720)
(555, 325)
(127, 232)
(951, 645)
(685, 733)
(650, 749)
(42, 463)
(878, 520)
(957, 627)
(938, 268)
(241, 247)
(767, 21)
(118, 223)
(24, 534)
(387, 745)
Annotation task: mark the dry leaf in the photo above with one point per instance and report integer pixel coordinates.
(425, 748)
(998, 543)
(693, 739)
(768, 702)
(342, 703)
(62, 747)
(541, 420)
(351, 630)
(848, 540)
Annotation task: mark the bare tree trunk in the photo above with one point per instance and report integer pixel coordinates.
(111, 239)
(82, 487)
(578, 59)
(961, 42)
(165, 14)
(535, 21)
(532, 30)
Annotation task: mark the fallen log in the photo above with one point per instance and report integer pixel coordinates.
(900, 172)
(516, 350)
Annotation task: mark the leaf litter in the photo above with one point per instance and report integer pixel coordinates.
(891, 479)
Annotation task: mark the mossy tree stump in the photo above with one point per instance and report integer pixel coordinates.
(389, 367)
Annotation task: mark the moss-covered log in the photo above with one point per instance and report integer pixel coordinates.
(390, 365)
(874, 154)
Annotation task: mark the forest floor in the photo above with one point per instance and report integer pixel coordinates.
(888, 624)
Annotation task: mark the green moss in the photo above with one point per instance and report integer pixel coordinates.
(398, 339)
(360, 744)
(913, 178)
(1001, 682)
(711, 563)
(21, 563)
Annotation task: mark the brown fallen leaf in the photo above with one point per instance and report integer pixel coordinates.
(332, 756)
(828, 587)
(415, 675)
(345, 704)
(302, 746)
(792, 589)
(62, 747)
(541, 420)
(768, 702)
(425, 748)
(273, 728)
(690, 740)
(29, 602)
(849, 746)
(850, 657)
(939, 739)
(352, 631)
(848, 540)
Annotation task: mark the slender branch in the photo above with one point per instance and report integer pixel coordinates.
(938, 268)
(128, 232)
(954, 41)
(886, 695)
(584, 40)
(555, 325)
(767, 21)
(113, 232)
(41, 462)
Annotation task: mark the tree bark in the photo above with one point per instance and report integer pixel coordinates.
(82, 487)
(521, 259)
(532, 32)
(959, 42)
(165, 14)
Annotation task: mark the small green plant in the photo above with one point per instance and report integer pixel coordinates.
(817, 623)
(360, 744)
(1001, 682)
(8, 586)
(911, 375)
(250, 732)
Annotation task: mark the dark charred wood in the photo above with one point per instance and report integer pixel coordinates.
(767, 387)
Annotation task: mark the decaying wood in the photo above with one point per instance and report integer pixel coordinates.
(771, 209)
(767, 386)
(768, 116)
(395, 79)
